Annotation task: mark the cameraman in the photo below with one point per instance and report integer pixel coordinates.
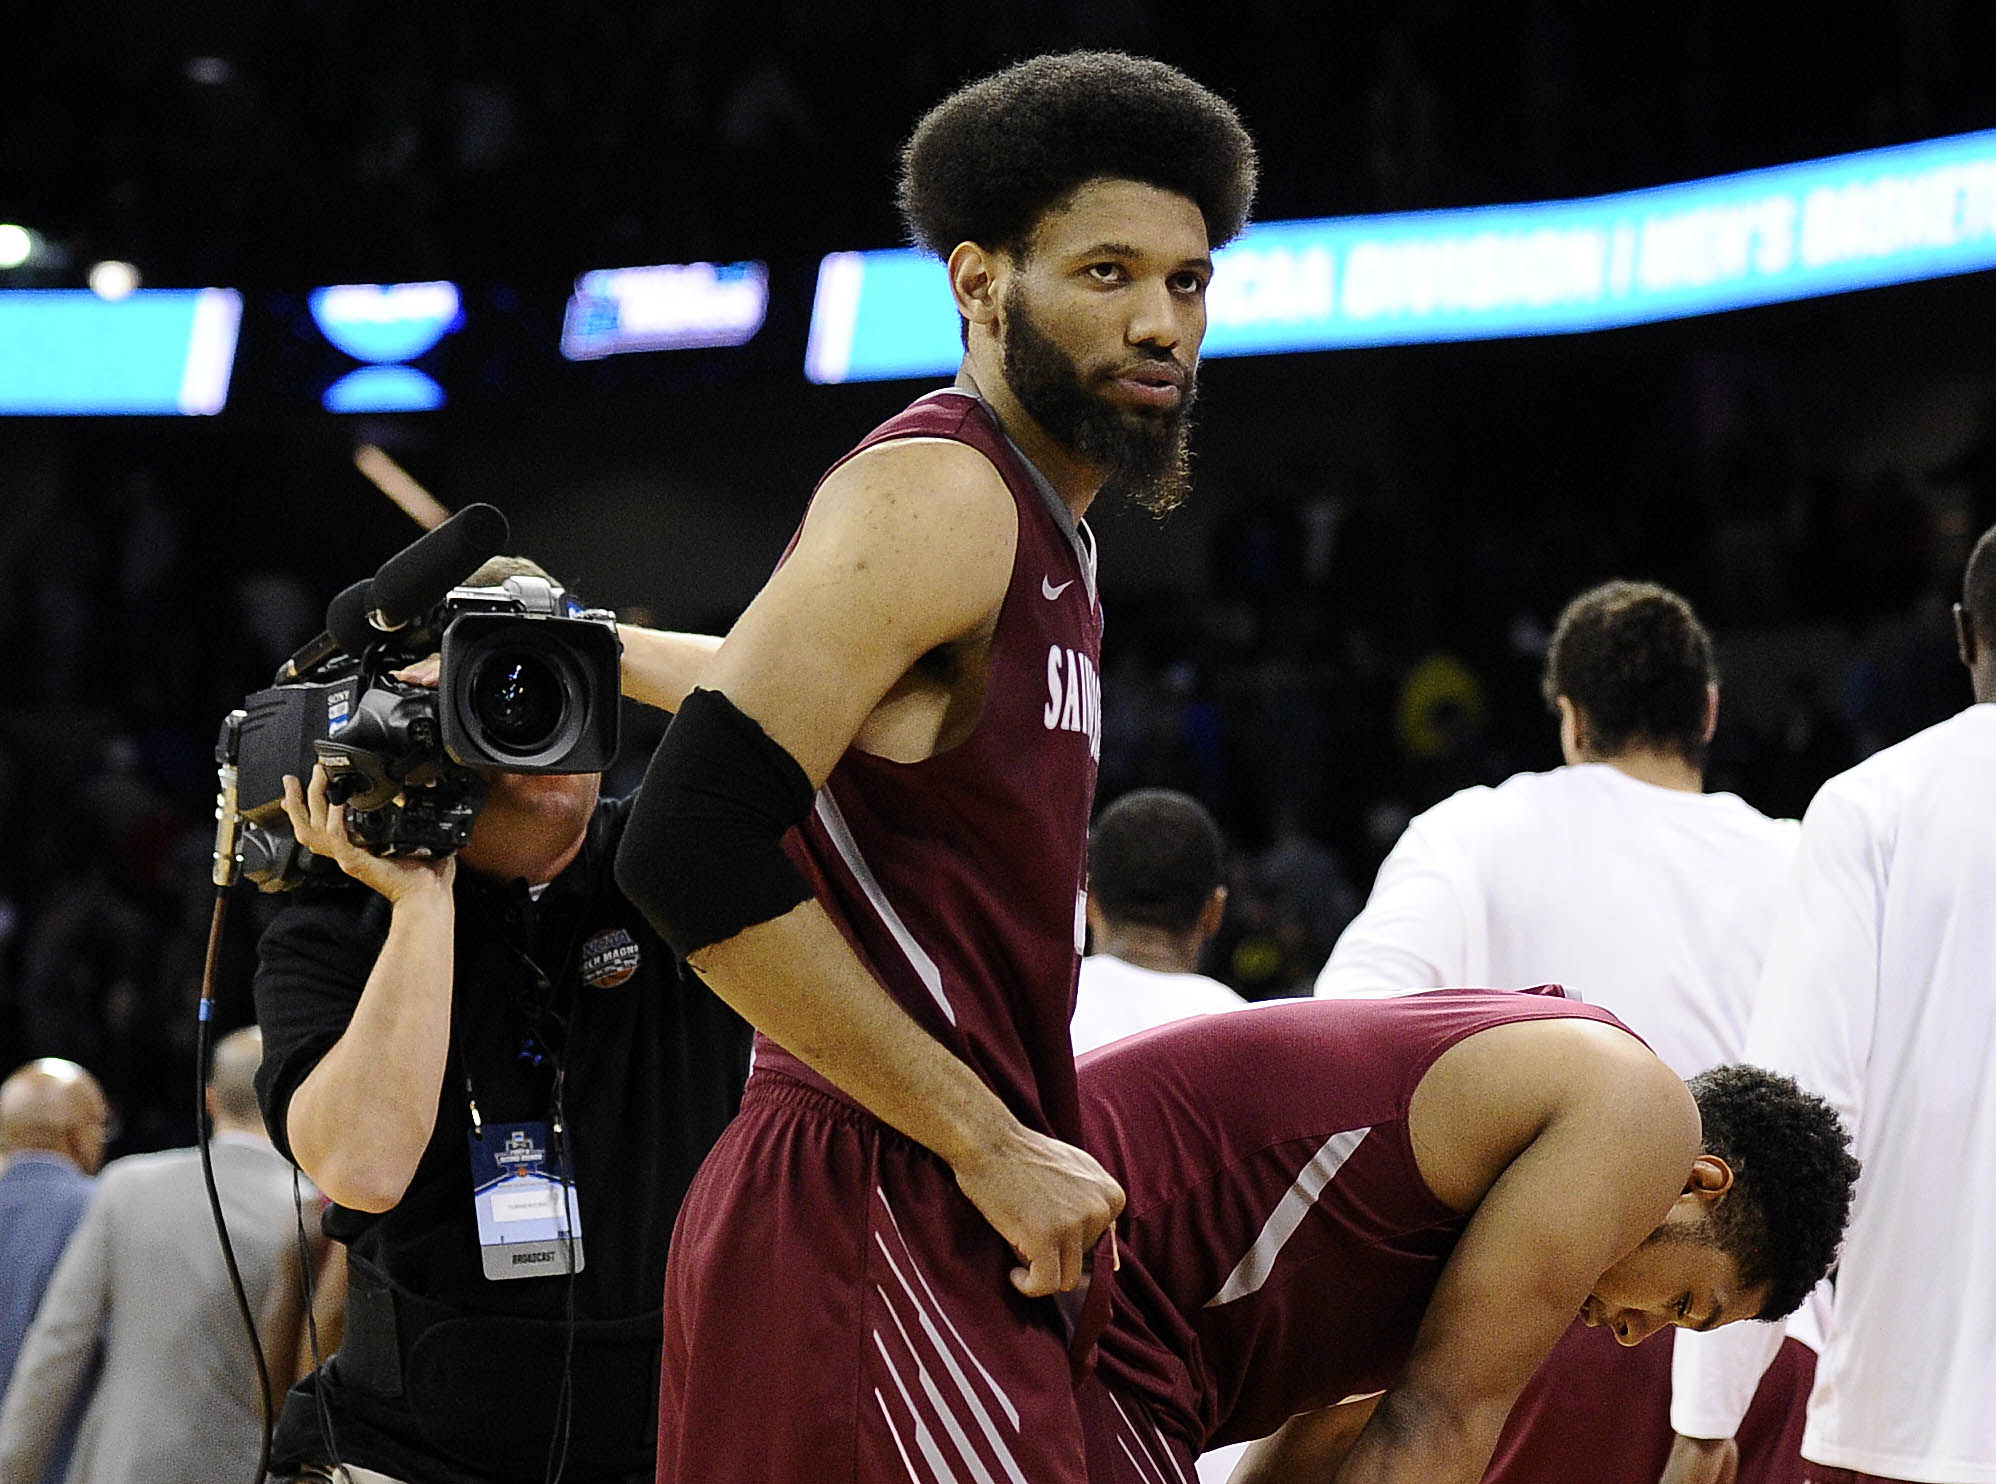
(504, 998)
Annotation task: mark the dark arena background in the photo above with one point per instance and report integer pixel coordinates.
(1344, 624)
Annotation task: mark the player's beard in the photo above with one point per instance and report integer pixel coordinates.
(1147, 450)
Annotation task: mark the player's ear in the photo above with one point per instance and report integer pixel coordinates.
(1098, 923)
(1212, 914)
(973, 278)
(1573, 745)
(1710, 1178)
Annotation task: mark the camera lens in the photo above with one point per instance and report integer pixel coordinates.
(519, 700)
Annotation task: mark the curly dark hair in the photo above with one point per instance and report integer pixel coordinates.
(987, 163)
(1154, 857)
(1793, 1172)
(1978, 587)
(1634, 659)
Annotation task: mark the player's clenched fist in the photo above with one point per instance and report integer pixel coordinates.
(1050, 1200)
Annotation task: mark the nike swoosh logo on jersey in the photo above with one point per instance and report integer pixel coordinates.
(1050, 592)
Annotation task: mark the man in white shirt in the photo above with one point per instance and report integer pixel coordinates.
(1156, 893)
(1620, 878)
(1880, 995)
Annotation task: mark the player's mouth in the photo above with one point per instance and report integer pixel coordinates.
(1152, 384)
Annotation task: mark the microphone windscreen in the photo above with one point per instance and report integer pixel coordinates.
(418, 576)
(346, 617)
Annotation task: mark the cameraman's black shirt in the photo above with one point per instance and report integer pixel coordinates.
(653, 1066)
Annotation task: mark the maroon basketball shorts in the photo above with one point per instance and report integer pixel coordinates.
(836, 1312)
(1125, 1446)
(1598, 1412)
(1822, 1473)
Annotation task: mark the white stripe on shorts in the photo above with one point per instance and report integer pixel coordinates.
(1011, 1412)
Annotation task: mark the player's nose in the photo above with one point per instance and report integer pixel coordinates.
(1155, 317)
(1632, 1326)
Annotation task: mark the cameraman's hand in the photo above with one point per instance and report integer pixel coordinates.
(427, 671)
(321, 828)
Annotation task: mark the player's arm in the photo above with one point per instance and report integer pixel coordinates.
(907, 550)
(1413, 932)
(1307, 1448)
(359, 1121)
(1701, 1461)
(1596, 1178)
(660, 667)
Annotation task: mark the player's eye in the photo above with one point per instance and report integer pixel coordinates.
(1105, 272)
(1188, 283)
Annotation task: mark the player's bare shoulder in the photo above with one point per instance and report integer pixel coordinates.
(906, 551)
(1491, 1095)
(932, 511)
(929, 529)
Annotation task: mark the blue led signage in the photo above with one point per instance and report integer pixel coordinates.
(1765, 236)
(673, 306)
(154, 352)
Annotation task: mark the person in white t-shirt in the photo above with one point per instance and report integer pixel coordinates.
(1880, 995)
(1156, 893)
(1619, 877)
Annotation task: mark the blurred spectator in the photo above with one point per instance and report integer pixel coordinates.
(1901, 679)
(53, 1126)
(1307, 897)
(1810, 742)
(1753, 486)
(1403, 129)
(1974, 469)
(177, 1399)
(1156, 893)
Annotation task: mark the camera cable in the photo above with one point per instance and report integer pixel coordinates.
(228, 825)
(305, 1264)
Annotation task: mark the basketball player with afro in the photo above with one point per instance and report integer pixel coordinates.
(867, 826)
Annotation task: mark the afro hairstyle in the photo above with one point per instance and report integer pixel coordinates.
(988, 162)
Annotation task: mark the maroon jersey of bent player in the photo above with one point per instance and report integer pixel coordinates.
(958, 879)
(1279, 1246)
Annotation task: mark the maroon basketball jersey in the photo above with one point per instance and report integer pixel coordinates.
(958, 879)
(1279, 1246)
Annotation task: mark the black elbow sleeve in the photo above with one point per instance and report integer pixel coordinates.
(702, 855)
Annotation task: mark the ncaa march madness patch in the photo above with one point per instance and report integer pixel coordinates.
(609, 958)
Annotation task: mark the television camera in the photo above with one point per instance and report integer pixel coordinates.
(529, 683)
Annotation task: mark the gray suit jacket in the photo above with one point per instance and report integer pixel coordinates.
(177, 1401)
